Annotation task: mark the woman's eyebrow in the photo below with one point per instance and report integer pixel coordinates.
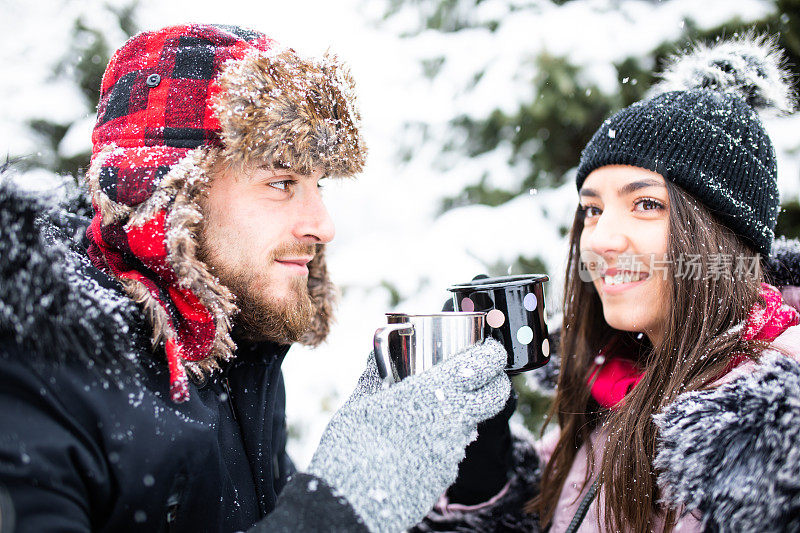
(626, 189)
(636, 185)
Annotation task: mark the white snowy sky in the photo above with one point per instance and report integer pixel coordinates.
(386, 224)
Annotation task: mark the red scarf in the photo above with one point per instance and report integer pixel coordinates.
(614, 375)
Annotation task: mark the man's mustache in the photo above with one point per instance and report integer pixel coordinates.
(293, 249)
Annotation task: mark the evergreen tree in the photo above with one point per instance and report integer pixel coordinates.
(84, 61)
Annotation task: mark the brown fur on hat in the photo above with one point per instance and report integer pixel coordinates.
(288, 112)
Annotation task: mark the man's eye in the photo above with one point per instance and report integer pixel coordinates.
(282, 185)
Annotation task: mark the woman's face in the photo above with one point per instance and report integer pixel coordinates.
(624, 244)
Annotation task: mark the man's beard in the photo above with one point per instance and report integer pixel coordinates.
(262, 316)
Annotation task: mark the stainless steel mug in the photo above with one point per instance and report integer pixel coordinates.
(410, 343)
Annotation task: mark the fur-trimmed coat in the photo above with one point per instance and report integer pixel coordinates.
(89, 437)
(729, 457)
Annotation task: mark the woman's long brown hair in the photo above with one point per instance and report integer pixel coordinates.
(703, 331)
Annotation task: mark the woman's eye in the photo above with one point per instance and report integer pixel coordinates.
(590, 211)
(649, 204)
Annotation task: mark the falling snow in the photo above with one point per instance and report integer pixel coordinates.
(380, 240)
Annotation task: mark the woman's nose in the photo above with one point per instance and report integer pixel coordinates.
(608, 235)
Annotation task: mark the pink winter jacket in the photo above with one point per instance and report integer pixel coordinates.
(728, 453)
(572, 495)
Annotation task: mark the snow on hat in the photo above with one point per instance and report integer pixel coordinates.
(701, 131)
(172, 103)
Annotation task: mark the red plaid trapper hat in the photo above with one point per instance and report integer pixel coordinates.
(171, 102)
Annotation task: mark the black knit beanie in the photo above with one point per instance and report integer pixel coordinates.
(706, 137)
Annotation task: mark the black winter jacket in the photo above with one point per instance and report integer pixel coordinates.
(89, 438)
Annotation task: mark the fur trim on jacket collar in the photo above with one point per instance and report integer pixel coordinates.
(783, 264)
(50, 303)
(733, 453)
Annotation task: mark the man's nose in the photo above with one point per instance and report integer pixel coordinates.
(315, 223)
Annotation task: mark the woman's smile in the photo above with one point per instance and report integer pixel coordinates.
(614, 282)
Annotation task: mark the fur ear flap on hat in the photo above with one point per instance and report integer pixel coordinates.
(752, 66)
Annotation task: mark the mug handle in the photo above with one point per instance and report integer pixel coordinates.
(381, 345)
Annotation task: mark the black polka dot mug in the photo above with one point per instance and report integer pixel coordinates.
(514, 307)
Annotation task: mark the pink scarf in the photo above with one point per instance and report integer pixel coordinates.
(614, 376)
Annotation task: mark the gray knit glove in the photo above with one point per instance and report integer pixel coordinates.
(392, 451)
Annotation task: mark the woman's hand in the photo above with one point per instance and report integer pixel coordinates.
(484, 472)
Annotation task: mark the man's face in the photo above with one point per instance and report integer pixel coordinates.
(260, 229)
